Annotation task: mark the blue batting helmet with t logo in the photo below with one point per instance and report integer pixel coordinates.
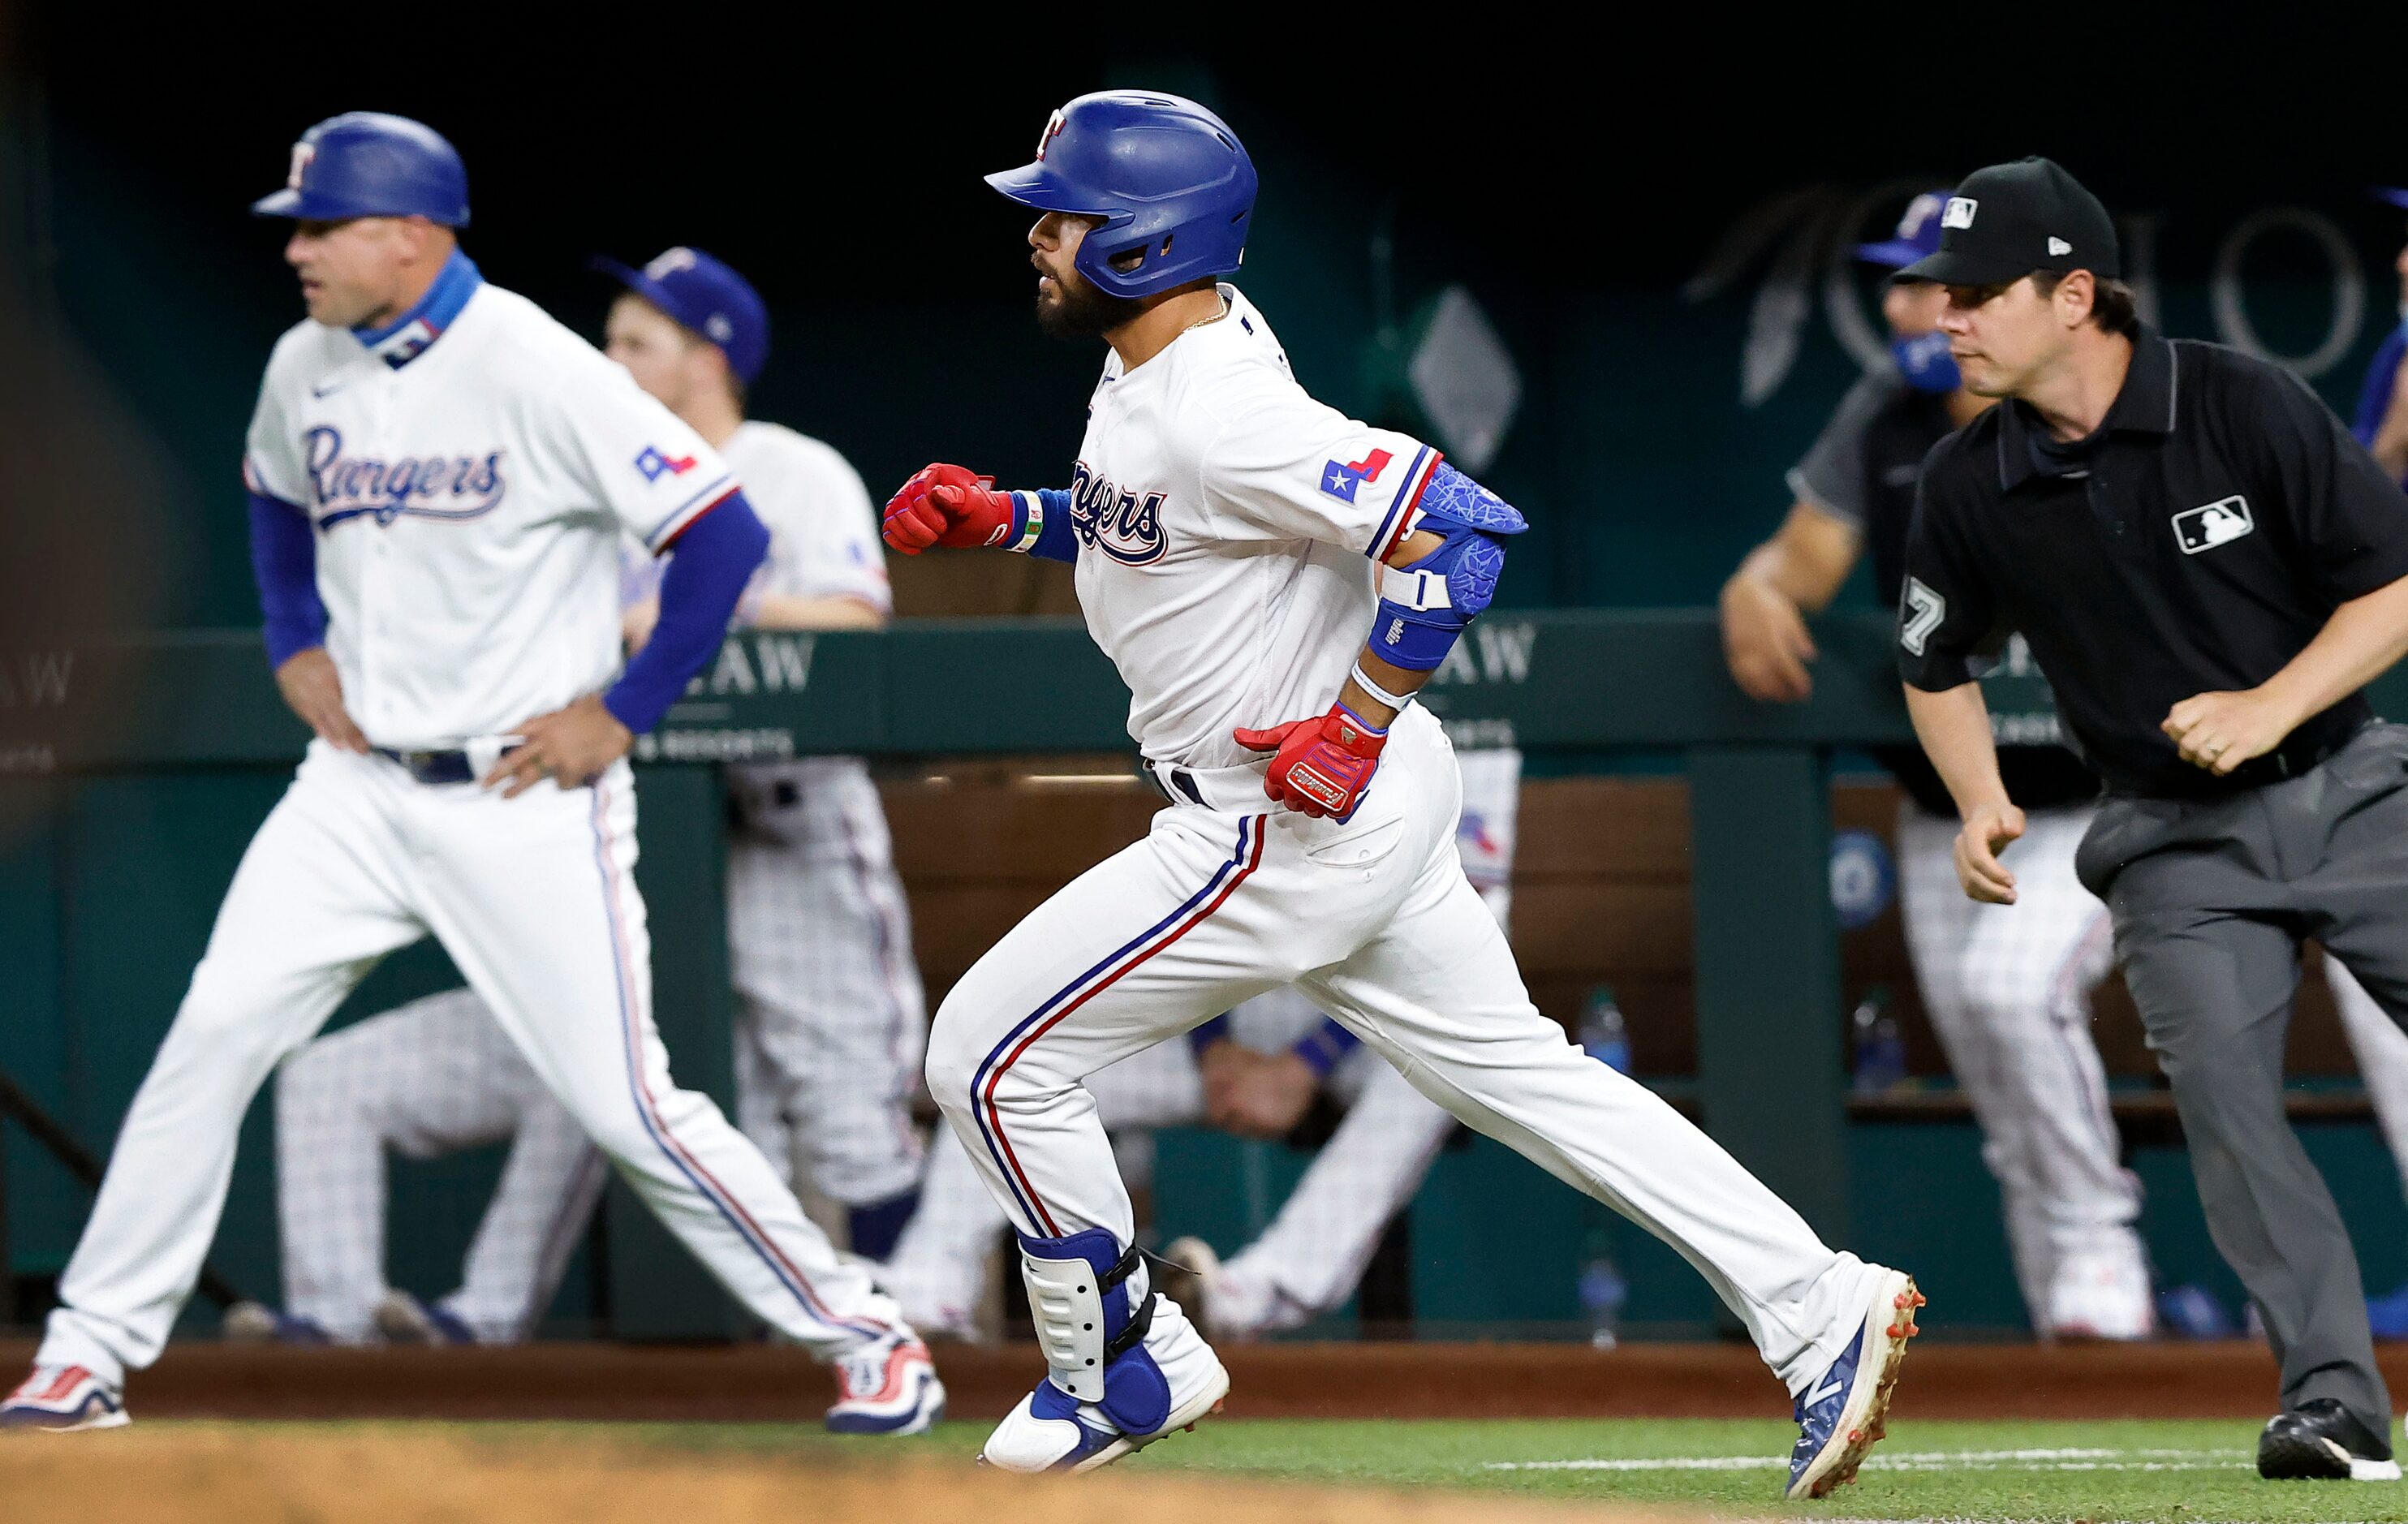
(366, 163)
(1169, 179)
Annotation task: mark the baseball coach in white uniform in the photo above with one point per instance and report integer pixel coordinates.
(441, 475)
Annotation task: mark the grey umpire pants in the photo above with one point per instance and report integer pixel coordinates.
(2212, 901)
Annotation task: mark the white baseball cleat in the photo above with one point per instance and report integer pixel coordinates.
(402, 1318)
(1190, 1270)
(1842, 1413)
(255, 1322)
(2101, 1296)
(1052, 1431)
(63, 1399)
(887, 1386)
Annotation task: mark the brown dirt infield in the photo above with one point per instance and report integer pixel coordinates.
(204, 1476)
(596, 1381)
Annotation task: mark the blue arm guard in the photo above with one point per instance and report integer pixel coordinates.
(714, 558)
(284, 562)
(1425, 607)
(1040, 524)
(1322, 1048)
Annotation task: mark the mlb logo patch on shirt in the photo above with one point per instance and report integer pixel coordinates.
(1340, 479)
(2220, 523)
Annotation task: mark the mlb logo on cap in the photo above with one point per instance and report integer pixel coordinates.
(1959, 213)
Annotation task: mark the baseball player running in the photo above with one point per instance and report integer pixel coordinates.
(1252, 1073)
(440, 475)
(1235, 542)
(830, 1019)
(2008, 992)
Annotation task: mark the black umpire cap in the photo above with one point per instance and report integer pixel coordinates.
(2008, 220)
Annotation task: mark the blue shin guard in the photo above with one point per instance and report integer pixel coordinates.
(1091, 1328)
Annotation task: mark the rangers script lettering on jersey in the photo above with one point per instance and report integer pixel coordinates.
(468, 501)
(1236, 526)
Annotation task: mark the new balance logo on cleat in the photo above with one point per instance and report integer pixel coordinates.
(1833, 1387)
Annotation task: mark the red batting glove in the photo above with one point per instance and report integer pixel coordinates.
(1319, 766)
(947, 505)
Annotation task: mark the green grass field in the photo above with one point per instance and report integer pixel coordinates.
(2180, 1472)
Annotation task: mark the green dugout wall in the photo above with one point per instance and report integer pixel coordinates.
(136, 771)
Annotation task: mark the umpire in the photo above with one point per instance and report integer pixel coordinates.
(2209, 569)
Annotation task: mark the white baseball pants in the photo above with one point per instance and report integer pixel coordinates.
(2008, 989)
(831, 1024)
(426, 1078)
(535, 899)
(1374, 919)
(2382, 1052)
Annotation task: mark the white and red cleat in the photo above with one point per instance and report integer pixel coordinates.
(887, 1386)
(63, 1398)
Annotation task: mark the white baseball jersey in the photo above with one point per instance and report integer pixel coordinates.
(822, 532)
(468, 496)
(822, 544)
(1229, 531)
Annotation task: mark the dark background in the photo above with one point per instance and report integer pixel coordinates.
(1572, 180)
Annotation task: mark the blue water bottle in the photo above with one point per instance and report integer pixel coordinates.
(1879, 1046)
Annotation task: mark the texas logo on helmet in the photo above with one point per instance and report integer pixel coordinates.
(302, 155)
(1053, 130)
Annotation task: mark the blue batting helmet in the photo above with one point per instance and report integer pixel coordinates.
(366, 163)
(1170, 180)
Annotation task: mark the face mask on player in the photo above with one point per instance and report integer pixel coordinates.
(1925, 362)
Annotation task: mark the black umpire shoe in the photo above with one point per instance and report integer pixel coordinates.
(2320, 1441)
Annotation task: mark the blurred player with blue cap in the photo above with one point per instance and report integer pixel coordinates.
(2381, 423)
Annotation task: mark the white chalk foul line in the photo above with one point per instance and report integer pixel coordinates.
(2051, 1460)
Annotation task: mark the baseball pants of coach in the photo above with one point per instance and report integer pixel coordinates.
(430, 1078)
(535, 899)
(1375, 921)
(2008, 989)
(2211, 901)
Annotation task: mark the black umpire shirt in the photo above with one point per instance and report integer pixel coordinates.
(1862, 470)
(2195, 543)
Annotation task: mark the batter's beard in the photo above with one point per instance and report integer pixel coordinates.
(1079, 310)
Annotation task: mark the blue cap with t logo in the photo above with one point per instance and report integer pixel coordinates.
(707, 295)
